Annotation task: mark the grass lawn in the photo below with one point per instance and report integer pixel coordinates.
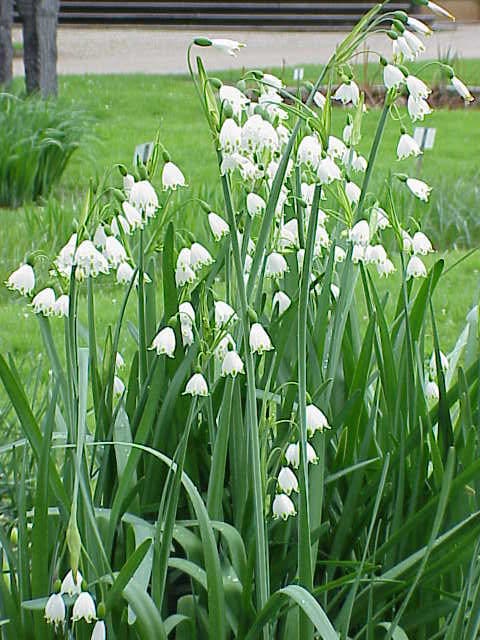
(129, 109)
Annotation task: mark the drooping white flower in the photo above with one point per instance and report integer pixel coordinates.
(316, 420)
(407, 146)
(248, 170)
(421, 244)
(287, 481)
(251, 133)
(359, 163)
(289, 234)
(309, 152)
(124, 273)
(392, 76)
(255, 204)
(99, 631)
(186, 313)
(283, 134)
(218, 226)
(381, 217)
(89, 261)
(358, 253)
(347, 92)
(187, 334)
(276, 266)
(440, 11)
(61, 306)
(347, 133)
(119, 361)
(100, 237)
(328, 171)
(375, 254)
(84, 607)
(196, 386)
(416, 45)
(432, 392)
(385, 268)
(259, 339)
(418, 108)
(292, 455)
(417, 88)
(115, 228)
(419, 26)
(64, 260)
(401, 45)
(226, 344)
(128, 182)
(271, 82)
(352, 192)
(319, 99)
(223, 314)
(420, 189)
(336, 148)
(118, 386)
(407, 242)
(267, 137)
(416, 268)
(133, 216)
(44, 302)
(444, 364)
(199, 257)
(164, 342)
(234, 97)
(144, 198)
(172, 177)
(462, 90)
(71, 586)
(230, 136)
(283, 507)
(340, 254)
(281, 299)
(55, 611)
(114, 252)
(225, 45)
(22, 280)
(232, 364)
(322, 240)
(360, 233)
(184, 275)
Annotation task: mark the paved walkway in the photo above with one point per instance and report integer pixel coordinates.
(149, 50)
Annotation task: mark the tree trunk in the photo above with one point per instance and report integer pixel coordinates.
(39, 22)
(6, 48)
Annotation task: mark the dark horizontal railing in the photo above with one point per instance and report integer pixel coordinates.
(288, 14)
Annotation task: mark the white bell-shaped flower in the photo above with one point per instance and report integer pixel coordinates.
(309, 152)
(359, 164)
(232, 364)
(255, 204)
(99, 631)
(319, 99)
(124, 273)
(392, 76)
(70, 585)
(218, 226)
(407, 146)
(259, 339)
(328, 171)
(196, 386)
(462, 90)
(287, 481)
(64, 260)
(230, 137)
(340, 254)
(292, 454)
(55, 610)
(316, 420)
(358, 253)
(416, 268)
(322, 240)
(444, 363)
(234, 97)
(118, 386)
(360, 233)
(100, 237)
(144, 198)
(420, 189)
(84, 608)
(123, 222)
(61, 306)
(432, 392)
(419, 26)
(224, 345)
(421, 244)
(407, 242)
(188, 336)
(223, 314)
(22, 280)
(114, 252)
(385, 268)
(416, 45)
(401, 46)
(347, 92)
(164, 342)
(375, 254)
(225, 45)
(283, 507)
(128, 182)
(381, 217)
(186, 313)
(418, 108)
(289, 234)
(133, 216)
(44, 302)
(347, 133)
(282, 300)
(276, 266)
(89, 261)
(352, 192)
(336, 148)
(199, 257)
(172, 177)
(417, 88)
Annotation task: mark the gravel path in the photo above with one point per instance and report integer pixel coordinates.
(148, 50)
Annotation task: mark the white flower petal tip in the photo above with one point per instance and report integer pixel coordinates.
(421, 244)
(199, 257)
(218, 226)
(283, 507)
(44, 302)
(225, 45)
(224, 313)
(416, 268)
(407, 146)
(164, 342)
(282, 301)
(196, 386)
(22, 280)
(55, 610)
(232, 364)
(259, 339)
(84, 608)
(287, 481)
(316, 420)
(420, 189)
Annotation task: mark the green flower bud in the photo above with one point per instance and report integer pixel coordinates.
(123, 169)
(402, 16)
(241, 85)
(57, 585)
(101, 610)
(383, 61)
(227, 110)
(14, 532)
(215, 82)
(202, 42)
(205, 206)
(252, 315)
(398, 26)
(393, 35)
(256, 73)
(118, 195)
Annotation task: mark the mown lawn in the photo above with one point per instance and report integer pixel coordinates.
(129, 109)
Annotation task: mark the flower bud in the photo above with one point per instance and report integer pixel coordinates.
(202, 42)
(215, 82)
(123, 170)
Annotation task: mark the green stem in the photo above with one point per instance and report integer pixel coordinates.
(262, 571)
(305, 569)
(372, 156)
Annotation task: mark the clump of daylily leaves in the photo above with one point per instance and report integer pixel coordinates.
(292, 190)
